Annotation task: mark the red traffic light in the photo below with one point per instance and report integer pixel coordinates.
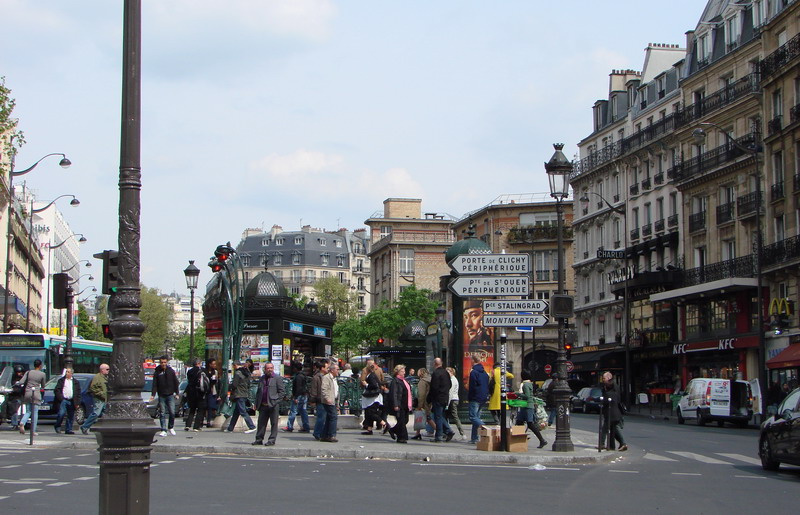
(567, 346)
(223, 252)
(107, 332)
(215, 265)
(380, 341)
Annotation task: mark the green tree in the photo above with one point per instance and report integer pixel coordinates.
(331, 295)
(86, 328)
(156, 315)
(10, 137)
(182, 344)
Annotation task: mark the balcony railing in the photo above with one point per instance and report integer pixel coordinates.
(542, 276)
(634, 234)
(530, 234)
(646, 184)
(774, 125)
(726, 212)
(780, 57)
(672, 221)
(747, 85)
(697, 221)
(746, 204)
(659, 225)
(634, 189)
(647, 230)
(713, 158)
(739, 267)
(616, 198)
(776, 191)
(781, 252)
(659, 178)
(585, 299)
(601, 295)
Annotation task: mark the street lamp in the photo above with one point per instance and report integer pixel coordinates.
(699, 136)
(558, 171)
(82, 239)
(625, 306)
(191, 272)
(88, 263)
(64, 163)
(74, 203)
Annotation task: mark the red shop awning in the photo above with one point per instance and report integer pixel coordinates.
(787, 358)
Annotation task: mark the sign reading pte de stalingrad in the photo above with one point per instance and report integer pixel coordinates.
(471, 264)
(490, 286)
(504, 306)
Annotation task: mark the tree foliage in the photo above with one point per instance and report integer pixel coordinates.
(157, 316)
(181, 351)
(86, 328)
(332, 295)
(10, 137)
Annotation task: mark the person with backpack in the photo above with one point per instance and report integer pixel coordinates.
(198, 385)
(165, 385)
(240, 392)
(299, 399)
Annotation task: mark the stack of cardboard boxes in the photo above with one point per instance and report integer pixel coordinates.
(490, 439)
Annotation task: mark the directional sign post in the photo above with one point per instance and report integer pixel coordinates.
(514, 320)
(476, 264)
(513, 306)
(490, 286)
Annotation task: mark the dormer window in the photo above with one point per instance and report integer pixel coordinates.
(277, 259)
(323, 242)
(298, 240)
(703, 49)
(732, 31)
(265, 242)
(279, 240)
(338, 244)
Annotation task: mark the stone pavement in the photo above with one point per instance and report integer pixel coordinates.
(351, 445)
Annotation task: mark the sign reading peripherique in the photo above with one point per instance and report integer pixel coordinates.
(476, 264)
(514, 306)
(490, 286)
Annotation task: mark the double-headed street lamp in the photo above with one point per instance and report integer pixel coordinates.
(74, 203)
(82, 239)
(558, 172)
(699, 136)
(192, 273)
(64, 163)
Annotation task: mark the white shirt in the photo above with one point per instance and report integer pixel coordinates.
(453, 389)
(67, 390)
(347, 373)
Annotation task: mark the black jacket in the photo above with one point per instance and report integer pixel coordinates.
(440, 387)
(58, 392)
(398, 396)
(165, 382)
(299, 384)
(611, 401)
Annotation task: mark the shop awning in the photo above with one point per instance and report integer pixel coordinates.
(597, 360)
(787, 358)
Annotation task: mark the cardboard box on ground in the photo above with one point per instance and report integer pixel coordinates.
(490, 439)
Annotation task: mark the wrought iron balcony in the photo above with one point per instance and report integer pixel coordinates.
(659, 225)
(726, 95)
(781, 252)
(634, 189)
(530, 234)
(634, 234)
(712, 159)
(659, 178)
(774, 125)
(726, 212)
(647, 230)
(780, 57)
(746, 204)
(647, 184)
(672, 221)
(739, 267)
(616, 198)
(776, 191)
(697, 221)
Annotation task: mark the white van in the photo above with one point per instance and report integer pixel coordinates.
(720, 400)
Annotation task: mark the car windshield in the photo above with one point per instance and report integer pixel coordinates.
(51, 384)
(596, 393)
(148, 384)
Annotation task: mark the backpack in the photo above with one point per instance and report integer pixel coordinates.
(203, 384)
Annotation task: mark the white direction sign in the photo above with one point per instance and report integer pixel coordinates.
(514, 320)
(513, 306)
(490, 286)
(475, 264)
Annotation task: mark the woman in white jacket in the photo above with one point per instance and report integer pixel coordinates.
(452, 408)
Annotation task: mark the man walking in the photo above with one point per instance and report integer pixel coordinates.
(316, 397)
(240, 390)
(165, 385)
(98, 389)
(478, 393)
(612, 414)
(68, 397)
(270, 392)
(197, 386)
(439, 397)
(330, 400)
(299, 399)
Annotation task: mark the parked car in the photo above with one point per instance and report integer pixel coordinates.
(49, 411)
(578, 401)
(779, 439)
(591, 399)
(719, 400)
(152, 406)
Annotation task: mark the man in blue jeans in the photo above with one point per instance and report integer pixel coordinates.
(98, 389)
(299, 399)
(239, 393)
(316, 396)
(165, 385)
(440, 397)
(478, 393)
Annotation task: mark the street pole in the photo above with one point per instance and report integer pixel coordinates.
(503, 390)
(191, 325)
(68, 361)
(125, 433)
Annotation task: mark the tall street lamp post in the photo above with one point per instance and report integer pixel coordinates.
(125, 433)
(558, 172)
(82, 239)
(64, 163)
(626, 301)
(699, 136)
(74, 203)
(191, 272)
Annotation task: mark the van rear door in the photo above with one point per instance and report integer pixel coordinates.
(720, 397)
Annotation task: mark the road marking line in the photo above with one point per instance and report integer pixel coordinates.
(686, 474)
(20, 482)
(167, 461)
(657, 457)
(36, 462)
(61, 458)
(85, 454)
(10, 466)
(28, 491)
(42, 479)
(741, 457)
(60, 483)
(84, 478)
(487, 466)
(153, 465)
(752, 477)
(701, 458)
(3, 497)
(185, 457)
(625, 471)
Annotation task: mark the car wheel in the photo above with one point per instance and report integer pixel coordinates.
(765, 453)
(80, 414)
(681, 420)
(700, 420)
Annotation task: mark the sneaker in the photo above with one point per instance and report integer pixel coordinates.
(84, 430)
(304, 431)
(162, 433)
(195, 430)
(287, 429)
(542, 444)
(227, 431)
(450, 436)
(58, 429)
(172, 432)
(623, 448)
(463, 437)
(186, 428)
(473, 442)
(69, 432)
(247, 432)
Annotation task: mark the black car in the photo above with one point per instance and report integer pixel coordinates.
(779, 440)
(49, 411)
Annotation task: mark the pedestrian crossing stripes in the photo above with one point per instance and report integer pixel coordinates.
(701, 458)
(741, 457)
(735, 458)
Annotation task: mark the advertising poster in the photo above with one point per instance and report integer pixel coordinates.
(477, 338)
(277, 358)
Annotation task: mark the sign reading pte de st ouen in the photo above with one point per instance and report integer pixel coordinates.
(514, 306)
(477, 264)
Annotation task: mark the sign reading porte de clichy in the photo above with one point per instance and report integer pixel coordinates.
(490, 286)
(476, 264)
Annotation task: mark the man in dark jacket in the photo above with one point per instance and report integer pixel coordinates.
(197, 386)
(68, 397)
(439, 397)
(612, 414)
(165, 385)
(478, 393)
(299, 399)
(240, 391)
(316, 398)
(270, 392)
(550, 399)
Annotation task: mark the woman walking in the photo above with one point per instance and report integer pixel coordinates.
(528, 414)
(371, 398)
(452, 407)
(33, 381)
(212, 397)
(399, 402)
(423, 387)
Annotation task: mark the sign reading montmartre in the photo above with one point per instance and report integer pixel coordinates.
(490, 286)
(476, 264)
(514, 320)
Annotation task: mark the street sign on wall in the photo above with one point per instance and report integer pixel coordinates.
(513, 306)
(610, 254)
(476, 264)
(514, 320)
(490, 286)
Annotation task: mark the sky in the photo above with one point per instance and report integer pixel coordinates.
(310, 112)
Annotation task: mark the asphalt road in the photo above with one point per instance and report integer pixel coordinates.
(669, 469)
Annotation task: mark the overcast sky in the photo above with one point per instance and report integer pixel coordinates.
(295, 112)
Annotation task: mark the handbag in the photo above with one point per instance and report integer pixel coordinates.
(419, 420)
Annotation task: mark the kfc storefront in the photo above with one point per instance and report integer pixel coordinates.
(725, 358)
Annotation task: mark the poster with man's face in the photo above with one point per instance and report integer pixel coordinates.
(477, 338)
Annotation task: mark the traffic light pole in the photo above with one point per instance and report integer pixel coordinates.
(563, 442)
(70, 294)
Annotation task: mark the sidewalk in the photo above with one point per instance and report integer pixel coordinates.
(351, 445)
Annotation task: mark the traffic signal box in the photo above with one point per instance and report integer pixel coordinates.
(111, 280)
(60, 284)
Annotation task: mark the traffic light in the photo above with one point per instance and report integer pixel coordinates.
(107, 334)
(561, 306)
(60, 283)
(111, 280)
(215, 265)
(379, 341)
(223, 252)
(568, 349)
